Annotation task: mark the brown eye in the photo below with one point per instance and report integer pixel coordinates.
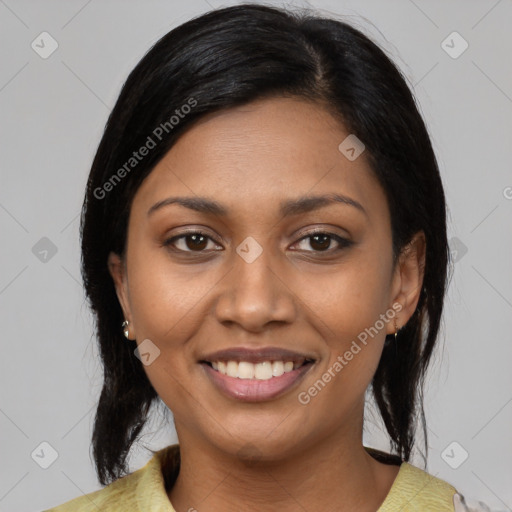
(322, 242)
(194, 241)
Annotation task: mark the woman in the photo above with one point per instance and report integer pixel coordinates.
(264, 240)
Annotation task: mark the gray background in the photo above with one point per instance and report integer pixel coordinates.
(53, 112)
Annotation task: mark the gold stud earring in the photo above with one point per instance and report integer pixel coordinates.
(126, 331)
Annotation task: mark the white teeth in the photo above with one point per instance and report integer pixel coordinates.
(261, 371)
(245, 370)
(277, 368)
(232, 369)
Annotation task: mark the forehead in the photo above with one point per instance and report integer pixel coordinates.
(255, 155)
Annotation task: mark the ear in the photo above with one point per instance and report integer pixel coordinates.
(117, 269)
(407, 280)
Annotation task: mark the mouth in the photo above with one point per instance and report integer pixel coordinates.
(264, 370)
(256, 375)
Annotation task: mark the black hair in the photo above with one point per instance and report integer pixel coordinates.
(226, 58)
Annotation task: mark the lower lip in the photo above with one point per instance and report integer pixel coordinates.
(255, 390)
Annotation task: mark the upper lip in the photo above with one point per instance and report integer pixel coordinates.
(256, 355)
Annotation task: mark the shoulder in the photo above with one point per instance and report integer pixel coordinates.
(143, 487)
(117, 494)
(417, 490)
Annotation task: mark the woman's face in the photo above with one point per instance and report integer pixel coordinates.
(259, 283)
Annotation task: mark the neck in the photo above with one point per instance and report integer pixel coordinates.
(330, 475)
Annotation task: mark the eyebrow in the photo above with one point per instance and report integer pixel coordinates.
(288, 208)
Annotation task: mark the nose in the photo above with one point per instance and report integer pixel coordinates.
(255, 294)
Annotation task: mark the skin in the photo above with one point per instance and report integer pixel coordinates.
(276, 454)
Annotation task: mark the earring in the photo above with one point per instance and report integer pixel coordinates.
(125, 327)
(396, 330)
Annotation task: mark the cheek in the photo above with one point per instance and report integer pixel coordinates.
(165, 302)
(349, 300)
(165, 297)
(346, 308)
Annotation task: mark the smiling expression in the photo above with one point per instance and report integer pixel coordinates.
(252, 245)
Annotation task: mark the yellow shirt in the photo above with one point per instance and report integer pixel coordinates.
(413, 490)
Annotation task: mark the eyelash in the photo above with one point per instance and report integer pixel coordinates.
(343, 242)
